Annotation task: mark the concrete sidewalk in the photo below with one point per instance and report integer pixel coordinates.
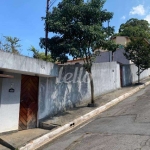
(33, 138)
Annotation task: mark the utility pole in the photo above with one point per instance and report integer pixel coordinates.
(111, 53)
(46, 26)
(108, 28)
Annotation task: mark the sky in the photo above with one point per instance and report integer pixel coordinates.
(22, 18)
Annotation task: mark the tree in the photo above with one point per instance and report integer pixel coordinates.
(138, 51)
(40, 55)
(79, 30)
(135, 28)
(12, 44)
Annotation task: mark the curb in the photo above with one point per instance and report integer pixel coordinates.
(69, 126)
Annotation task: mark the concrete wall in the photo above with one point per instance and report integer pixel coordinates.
(129, 74)
(26, 65)
(10, 103)
(106, 77)
(0, 89)
(118, 56)
(104, 57)
(72, 87)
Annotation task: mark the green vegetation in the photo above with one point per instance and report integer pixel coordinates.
(40, 55)
(138, 49)
(79, 30)
(10, 44)
(135, 28)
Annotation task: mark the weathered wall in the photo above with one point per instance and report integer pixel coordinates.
(105, 56)
(10, 103)
(26, 65)
(119, 57)
(0, 88)
(129, 74)
(72, 87)
(106, 77)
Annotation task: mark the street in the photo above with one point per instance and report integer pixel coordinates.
(125, 126)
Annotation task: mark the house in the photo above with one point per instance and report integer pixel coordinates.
(122, 40)
(118, 55)
(20, 83)
(78, 60)
(107, 55)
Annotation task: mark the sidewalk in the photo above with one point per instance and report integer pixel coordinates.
(21, 138)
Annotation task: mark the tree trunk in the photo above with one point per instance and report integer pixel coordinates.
(138, 74)
(92, 87)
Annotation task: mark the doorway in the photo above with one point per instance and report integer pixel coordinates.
(28, 102)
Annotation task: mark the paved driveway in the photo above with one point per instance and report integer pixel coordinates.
(125, 126)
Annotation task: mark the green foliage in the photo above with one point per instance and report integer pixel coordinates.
(79, 30)
(11, 44)
(40, 55)
(135, 28)
(138, 51)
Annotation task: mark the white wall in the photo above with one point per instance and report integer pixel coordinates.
(26, 65)
(105, 56)
(119, 57)
(129, 75)
(56, 95)
(106, 77)
(0, 88)
(10, 103)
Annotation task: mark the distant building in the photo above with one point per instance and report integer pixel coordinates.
(122, 40)
(78, 60)
(107, 55)
(118, 55)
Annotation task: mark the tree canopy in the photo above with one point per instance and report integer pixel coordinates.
(79, 30)
(135, 28)
(10, 44)
(40, 55)
(138, 51)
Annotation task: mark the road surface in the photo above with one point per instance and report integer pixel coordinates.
(125, 126)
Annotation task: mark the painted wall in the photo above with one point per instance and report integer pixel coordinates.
(10, 103)
(118, 56)
(106, 77)
(129, 74)
(0, 88)
(26, 65)
(105, 56)
(72, 87)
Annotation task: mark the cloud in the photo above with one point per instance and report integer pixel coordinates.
(138, 10)
(147, 18)
(123, 17)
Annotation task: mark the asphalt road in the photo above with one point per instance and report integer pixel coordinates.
(125, 126)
